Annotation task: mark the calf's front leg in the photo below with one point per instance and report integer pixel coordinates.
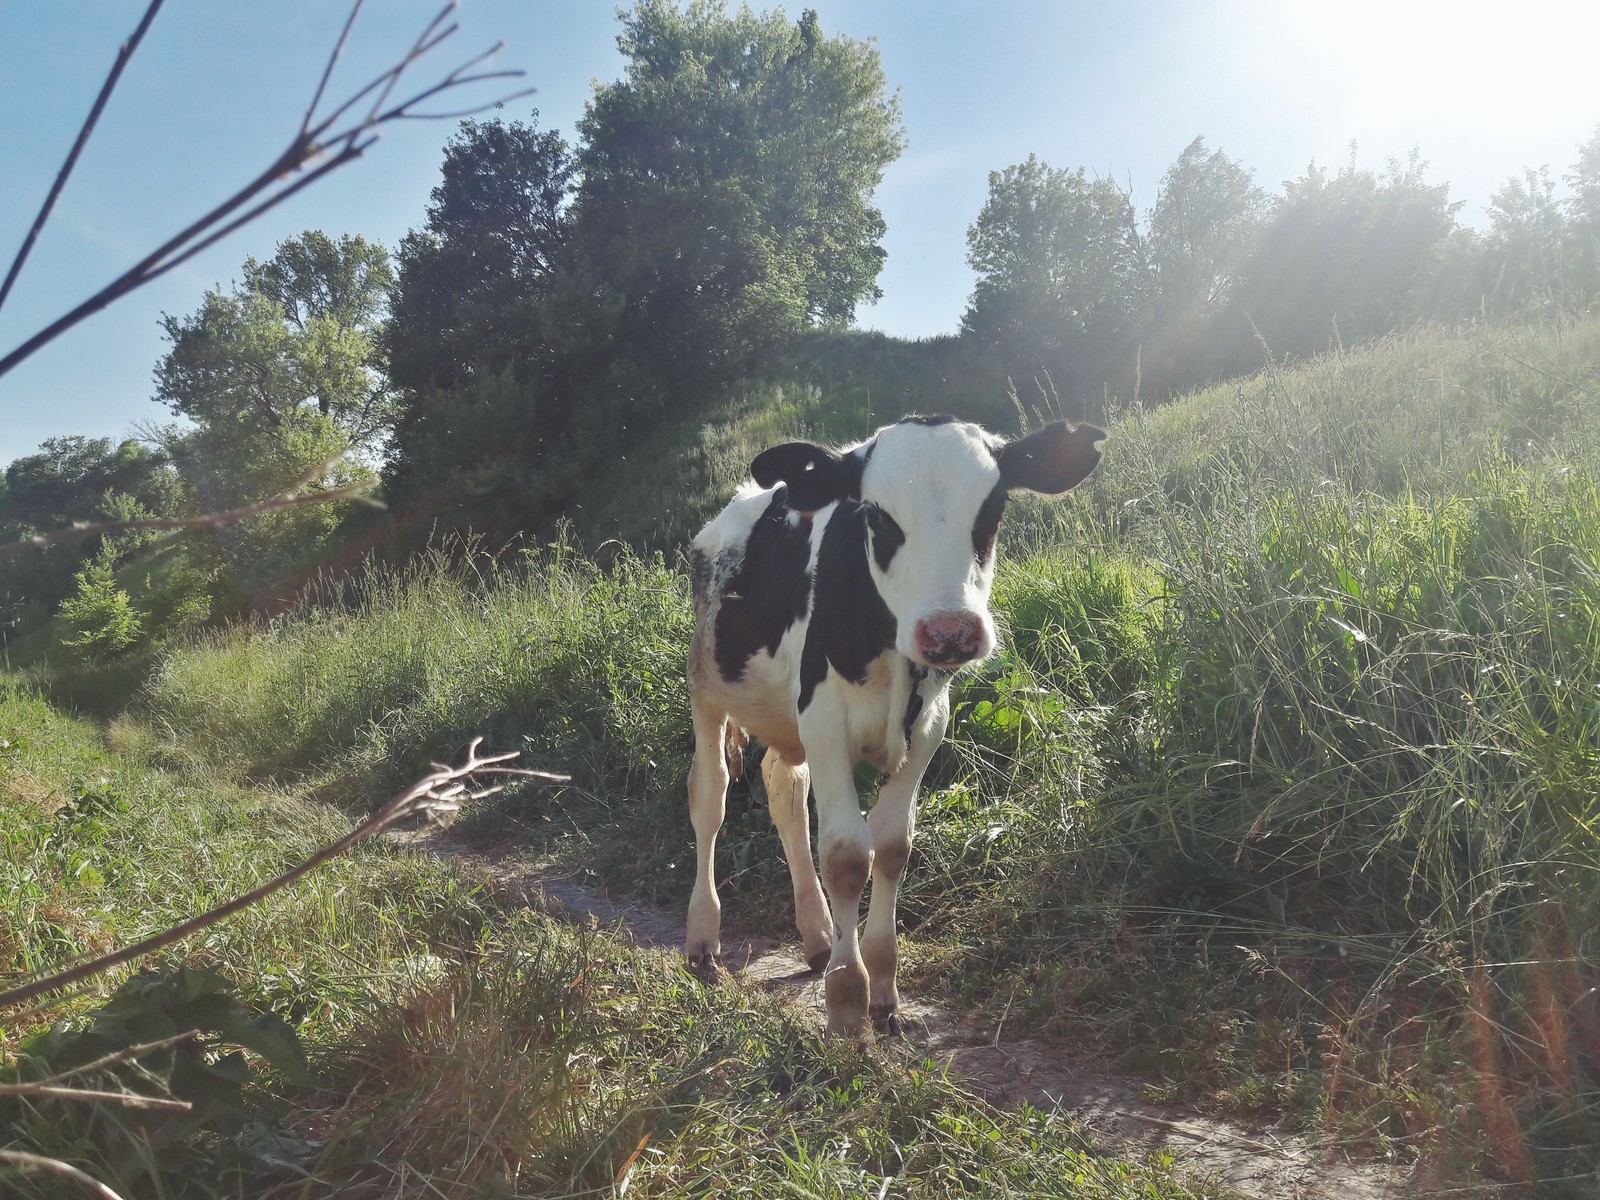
(892, 824)
(845, 847)
(787, 786)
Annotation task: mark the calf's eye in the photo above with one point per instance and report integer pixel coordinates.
(887, 537)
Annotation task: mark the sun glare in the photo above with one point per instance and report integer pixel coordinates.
(1496, 64)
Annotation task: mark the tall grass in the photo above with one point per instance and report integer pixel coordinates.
(457, 1047)
(1283, 785)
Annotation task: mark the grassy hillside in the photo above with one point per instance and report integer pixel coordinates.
(1282, 789)
(453, 1046)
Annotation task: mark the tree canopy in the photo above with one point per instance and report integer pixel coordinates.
(1061, 271)
(299, 336)
(726, 183)
(472, 281)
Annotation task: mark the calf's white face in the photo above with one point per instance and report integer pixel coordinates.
(930, 493)
(932, 499)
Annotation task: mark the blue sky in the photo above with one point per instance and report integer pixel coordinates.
(217, 90)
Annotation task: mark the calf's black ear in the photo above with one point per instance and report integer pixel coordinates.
(1051, 460)
(816, 475)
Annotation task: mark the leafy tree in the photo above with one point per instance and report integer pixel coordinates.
(66, 480)
(726, 195)
(1207, 209)
(1347, 256)
(1583, 218)
(1207, 213)
(1062, 275)
(300, 335)
(468, 299)
(99, 615)
(283, 377)
(469, 337)
(1526, 250)
(73, 479)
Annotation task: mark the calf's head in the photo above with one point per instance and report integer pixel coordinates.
(929, 493)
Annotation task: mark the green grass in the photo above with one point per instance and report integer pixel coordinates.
(1282, 790)
(456, 1045)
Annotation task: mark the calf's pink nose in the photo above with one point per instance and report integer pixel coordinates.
(950, 639)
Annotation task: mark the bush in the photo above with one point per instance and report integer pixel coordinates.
(99, 615)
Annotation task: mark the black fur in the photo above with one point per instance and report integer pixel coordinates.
(850, 624)
(816, 475)
(887, 536)
(1051, 460)
(914, 701)
(769, 592)
(987, 527)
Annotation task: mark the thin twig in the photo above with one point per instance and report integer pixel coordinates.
(327, 70)
(443, 790)
(289, 499)
(54, 1166)
(126, 1054)
(311, 142)
(126, 1099)
(123, 55)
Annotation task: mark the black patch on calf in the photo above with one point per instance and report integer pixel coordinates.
(887, 536)
(932, 419)
(816, 475)
(768, 593)
(987, 527)
(914, 701)
(1051, 460)
(850, 624)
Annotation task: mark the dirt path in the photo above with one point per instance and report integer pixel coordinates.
(1257, 1160)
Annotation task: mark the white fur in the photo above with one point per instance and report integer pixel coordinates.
(932, 481)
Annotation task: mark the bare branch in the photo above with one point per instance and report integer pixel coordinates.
(123, 55)
(54, 1166)
(126, 1054)
(89, 1095)
(313, 141)
(327, 71)
(442, 790)
(292, 498)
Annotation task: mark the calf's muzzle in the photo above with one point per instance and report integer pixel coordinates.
(950, 639)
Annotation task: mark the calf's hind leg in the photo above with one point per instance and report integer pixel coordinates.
(708, 789)
(787, 788)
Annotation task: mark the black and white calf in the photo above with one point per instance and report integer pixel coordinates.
(834, 599)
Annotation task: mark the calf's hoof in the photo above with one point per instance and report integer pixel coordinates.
(845, 987)
(885, 1020)
(706, 964)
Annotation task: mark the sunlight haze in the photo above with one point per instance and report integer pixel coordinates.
(1483, 91)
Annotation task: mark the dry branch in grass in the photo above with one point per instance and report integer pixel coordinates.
(23, 1161)
(442, 791)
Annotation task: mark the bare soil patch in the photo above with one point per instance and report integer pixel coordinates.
(1004, 1068)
